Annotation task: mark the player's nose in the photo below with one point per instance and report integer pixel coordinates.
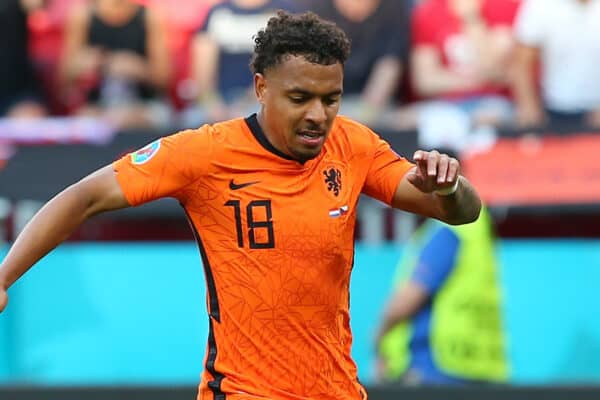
(316, 113)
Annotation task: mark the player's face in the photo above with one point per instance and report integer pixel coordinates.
(299, 101)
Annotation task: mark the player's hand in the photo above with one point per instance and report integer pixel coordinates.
(126, 65)
(434, 171)
(530, 115)
(3, 299)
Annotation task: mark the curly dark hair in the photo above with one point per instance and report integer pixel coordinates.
(306, 35)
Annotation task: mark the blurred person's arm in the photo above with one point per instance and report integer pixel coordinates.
(77, 59)
(58, 219)
(405, 303)
(155, 68)
(386, 75)
(430, 78)
(524, 87)
(428, 75)
(433, 265)
(531, 31)
(383, 81)
(159, 65)
(205, 73)
(492, 49)
(492, 44)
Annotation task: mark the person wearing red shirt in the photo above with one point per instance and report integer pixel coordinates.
(460, 56)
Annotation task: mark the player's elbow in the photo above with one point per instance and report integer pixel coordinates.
(463, 215)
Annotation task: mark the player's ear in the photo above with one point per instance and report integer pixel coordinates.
(260, 87)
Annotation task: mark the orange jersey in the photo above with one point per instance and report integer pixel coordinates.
(276, 239)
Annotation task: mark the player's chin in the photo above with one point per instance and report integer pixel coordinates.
(308, 147)
(304, 153)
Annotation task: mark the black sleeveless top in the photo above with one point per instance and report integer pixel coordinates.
(16, 71)
(131, 36)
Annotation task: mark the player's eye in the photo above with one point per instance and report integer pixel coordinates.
(331, 100)
(298, 99)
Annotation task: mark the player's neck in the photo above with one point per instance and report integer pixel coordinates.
(260, 116)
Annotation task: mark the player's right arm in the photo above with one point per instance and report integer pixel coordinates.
(53, 224)
(161, 169)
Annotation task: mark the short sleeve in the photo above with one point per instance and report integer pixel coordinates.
(436, 260)
(206, 20)
(386, 171)
(501, 12)
(423, 27)
(529, 26)
(164, 167)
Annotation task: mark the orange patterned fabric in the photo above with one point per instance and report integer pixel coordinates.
(276, 238)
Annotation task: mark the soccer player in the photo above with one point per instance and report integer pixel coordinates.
(272, 200)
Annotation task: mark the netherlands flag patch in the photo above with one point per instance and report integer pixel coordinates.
(336, 212)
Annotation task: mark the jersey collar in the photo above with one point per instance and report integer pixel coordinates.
(259, 135)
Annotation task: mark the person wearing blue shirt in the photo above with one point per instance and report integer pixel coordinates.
(221, 52)
(443, 324)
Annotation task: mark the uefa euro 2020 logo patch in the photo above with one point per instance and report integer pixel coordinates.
(144, 154)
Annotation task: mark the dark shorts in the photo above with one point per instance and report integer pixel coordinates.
(565, 121)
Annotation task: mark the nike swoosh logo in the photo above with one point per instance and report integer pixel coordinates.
(237, 186)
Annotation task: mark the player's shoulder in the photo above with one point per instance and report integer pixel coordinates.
(346, 123)
(350, 139)
(356, 133)
(207, 139)
(212, 132)
(232, 126)
(187, 138)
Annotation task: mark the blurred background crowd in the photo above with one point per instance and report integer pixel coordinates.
(512, 87)
(453, 69)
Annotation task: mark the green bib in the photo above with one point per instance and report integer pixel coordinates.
(466, 336)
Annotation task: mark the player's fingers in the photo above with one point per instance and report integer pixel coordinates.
(453, 170)
(443, 164)
(421, 169)
(420, 155)
(415, 178)
(420, 158)
(432, 163)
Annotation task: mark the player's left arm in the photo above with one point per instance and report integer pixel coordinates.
(435, 188)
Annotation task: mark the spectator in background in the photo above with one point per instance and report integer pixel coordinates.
(443, 322)
(115, 50)
(564, 37)
(379, 31)
(460, 57)
(20, 92)
(221, 52)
